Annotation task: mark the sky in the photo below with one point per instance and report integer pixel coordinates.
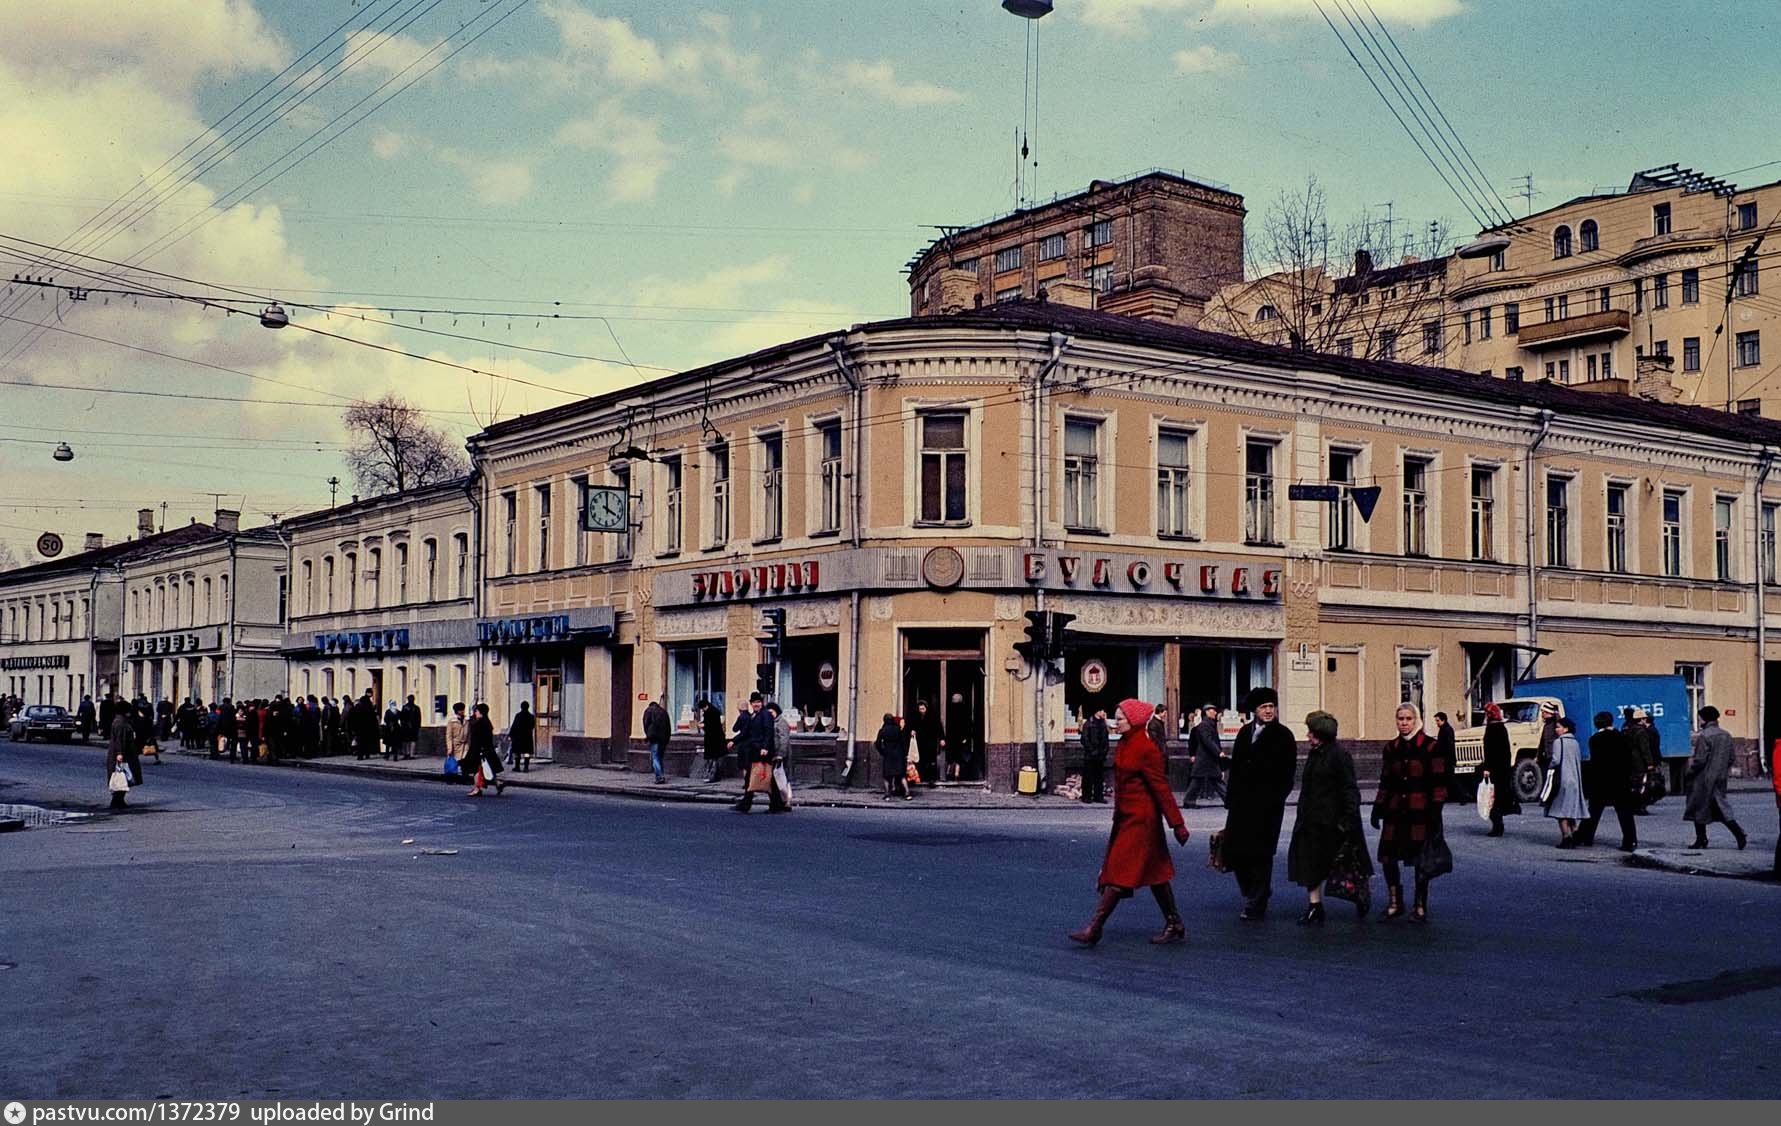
(591, 193)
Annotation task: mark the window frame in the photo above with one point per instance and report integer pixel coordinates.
(1174, 485)
(770, 520)
(1661, 219)
(831, 476)
(1589, 236)
(1558, 521)
(673, 504)
(943, 457)
(1749, 348)
(1054, 242)
(720, 468)
(1414, 504)
(1561, 241)
(1261, 494)
(1725, 538)
(1617, 528)
(1482, 530)
(1673, 534)
(1008, 259)
(1083, 480)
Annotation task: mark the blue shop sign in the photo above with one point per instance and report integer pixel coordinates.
(362, 641)
(515, 631)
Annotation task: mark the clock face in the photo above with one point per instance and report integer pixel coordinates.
(606, 509)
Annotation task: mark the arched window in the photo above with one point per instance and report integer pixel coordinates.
(1561, 243)
(1266, 313)
(1587, 237)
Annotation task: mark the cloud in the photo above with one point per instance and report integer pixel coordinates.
(167, 44)
(639, 155)
(500, 183)
(385, 52)
(1205, 59)
(609, 50)
(1415, 13)
(388, 144)
(1127, 17)
(880, 81)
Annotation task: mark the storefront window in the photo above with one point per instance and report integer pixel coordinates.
(807, 664)
(695, 671)
(1221, 676)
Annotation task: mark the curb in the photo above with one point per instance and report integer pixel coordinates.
(1643, 858)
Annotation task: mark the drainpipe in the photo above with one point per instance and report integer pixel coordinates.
(1058, 343)
(476, 666)
(857, 399)
(1763, 753)
(234, 593)
(1533, 573)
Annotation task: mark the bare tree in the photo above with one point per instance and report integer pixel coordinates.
(394, 449)
(9, 560)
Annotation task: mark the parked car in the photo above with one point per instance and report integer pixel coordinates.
(42, 721)
(1664, 698)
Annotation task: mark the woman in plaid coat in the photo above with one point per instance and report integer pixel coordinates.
(1407, 807)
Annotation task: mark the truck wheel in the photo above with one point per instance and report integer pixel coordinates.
(1528, 780)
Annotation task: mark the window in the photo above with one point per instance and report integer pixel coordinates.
(1345, 346)
(772, 486)
(1561, 242)
(1768, 544)
(1587, 235)
(510, 526)
(308, 589)
(328, 582)
(1100, 278)
(1694, 682)
(1746, 216)
(352, 581)
(1564, 371)
(1549, 309)
(460, 550)
(1691, 287)
(1750, 406)
(829, 441)
(1691, 353)
(1511, 318)
(541, 498)
(374, 575)
(1484, 323)
(1173, 449)
(1082, 473)
(1604, 299)
(1484, 482)
(719, 455)
(1012, 293)
(430, 560)
(1513, 374)
(626, 540)
(1607, 365)
(1008, 258)
(1672, 533)
(284, 599)
(1416, 506)
(673, 505)
(1551, 371)
(1431, 338)
(1744, 278)
(1660, 291)
(1638, 295)
(1564, 306)
(1258, 491)
(1267, 313)
(1558, 521)
(1101, 233)
(1343, 467)
(1051, 248)
(401, 574)
(943, 468)
(1660, 347)
(584, 539)
(172, 619)
(1749, 349)
(1412, 679)
(1317, 308)
(969, 265)
(1591, 359)
(1465, 327)
(1724, 517)
(1388, 344)
(1616, 528)
(1660, 219)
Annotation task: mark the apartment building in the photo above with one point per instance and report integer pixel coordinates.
(1156, 245)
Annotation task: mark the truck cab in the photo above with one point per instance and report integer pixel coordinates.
(1521, 715)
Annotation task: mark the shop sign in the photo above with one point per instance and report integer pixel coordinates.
(1094, 676)
(767, 578)
(825, 676)
(13, 664)
(362, 641)
(164, 644)
(1209, 580)
(519, 631)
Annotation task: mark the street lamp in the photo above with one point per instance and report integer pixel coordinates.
(63, 452)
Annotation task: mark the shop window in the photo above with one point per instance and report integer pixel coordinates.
(1222, 676)
(673, 505)
(1617, 508)
(943, 468)
(805, 664)
(718, 458)
(828, 435)
(1413, 681)
(1258, 491)
(1082, 473)
(772, 487)
(1174, 515)
(695, 672)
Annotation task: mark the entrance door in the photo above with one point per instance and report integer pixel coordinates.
(945, 669)
(377, 690)
(621, 699)
(547, 705)
(1342, 688)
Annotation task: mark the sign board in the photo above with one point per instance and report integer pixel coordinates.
(1094, 676)
(1304, 664)
(1314, 492)
(1366, 498)
(49, 545)
(825, 676)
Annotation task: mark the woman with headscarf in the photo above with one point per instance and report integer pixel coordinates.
(892, 745)
(1499, 764)
(1407, 809)
(1328, 817)
(716, 738)
(1567, 804)
(1137, 851)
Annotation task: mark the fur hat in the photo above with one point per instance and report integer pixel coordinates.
(1322, 725)
(1259, 696)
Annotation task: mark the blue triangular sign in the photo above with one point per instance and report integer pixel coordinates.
(1365, 500)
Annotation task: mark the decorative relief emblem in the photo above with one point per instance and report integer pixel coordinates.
(943, 568)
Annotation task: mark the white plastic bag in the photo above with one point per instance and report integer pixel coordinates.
(1487, 798)
(119, 782)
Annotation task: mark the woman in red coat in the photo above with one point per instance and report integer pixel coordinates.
(1137, 852)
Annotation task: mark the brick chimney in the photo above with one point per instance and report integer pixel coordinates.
(1067, 291)
(1363, 262)
(145, 521)
(228, 520)
(956, 288)
(95, 541)
(1653, 381)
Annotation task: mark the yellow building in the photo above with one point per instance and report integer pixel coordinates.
(906, 492)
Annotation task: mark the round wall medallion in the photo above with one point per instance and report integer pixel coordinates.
(943, 568)
(49, 545)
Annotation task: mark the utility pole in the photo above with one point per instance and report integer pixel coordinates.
(333, 490)
(163, 516)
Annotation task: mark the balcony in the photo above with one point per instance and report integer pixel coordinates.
(1575, 330)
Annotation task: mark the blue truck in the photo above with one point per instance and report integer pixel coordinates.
(1664, 699)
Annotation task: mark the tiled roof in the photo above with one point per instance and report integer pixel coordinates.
(113, 554)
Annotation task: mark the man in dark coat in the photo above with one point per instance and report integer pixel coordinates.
(482, 750)
(121, 739)
(1608, 780)
(362, 726)
(88, 720)
(753, 742)
(520, 735)
(1708, 769)
(411, 727)
(1263, 761)
(1207, 780)
(1094, 757)
(227, 727)
(656, 730)
(930, 737)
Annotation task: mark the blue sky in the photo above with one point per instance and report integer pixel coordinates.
(711, 178)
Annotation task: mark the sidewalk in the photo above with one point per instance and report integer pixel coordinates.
(1723, 860)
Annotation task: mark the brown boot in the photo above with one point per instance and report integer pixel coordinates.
(1394, 902)
(1174, 930)
(1091, 934)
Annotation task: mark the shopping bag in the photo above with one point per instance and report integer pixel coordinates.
(912, 773)
(1351, 877)
(451, 766)
(1215, 847)
(1435, 859)
(119, 783)
(1487, 798)
(1546, 787)
(760, 778)
(488, 772)
(783, 783)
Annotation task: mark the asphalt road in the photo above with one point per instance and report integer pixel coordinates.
(264, 933)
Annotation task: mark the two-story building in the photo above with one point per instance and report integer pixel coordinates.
(204, 617)
(907, 492)
(384, 599)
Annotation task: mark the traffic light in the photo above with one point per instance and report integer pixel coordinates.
(1058, 636)
(774, 637)
(766, 678)
(1037, 644)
